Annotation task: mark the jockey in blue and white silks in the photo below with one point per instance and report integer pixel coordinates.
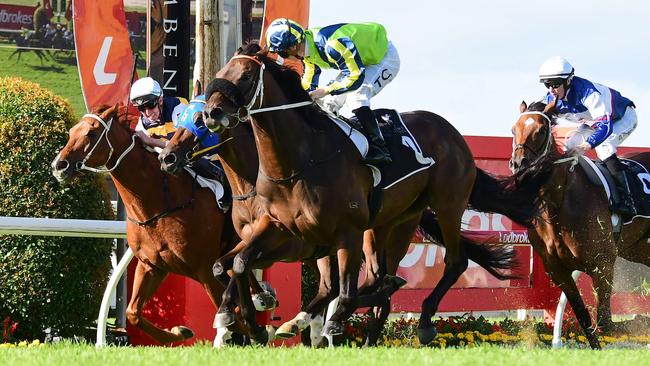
(198, 128)
(607, 118)
(366, 59)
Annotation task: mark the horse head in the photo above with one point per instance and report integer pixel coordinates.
(250, 80)
(235, 89)
(183, 148)
(89, 145)
(533, 135)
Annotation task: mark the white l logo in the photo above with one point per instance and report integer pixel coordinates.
(102, 77)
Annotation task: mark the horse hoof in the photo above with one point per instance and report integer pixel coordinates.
(264, 301)
(182, 331)
(238, 266)
(426, 335)
(223, 320)
(395, 282)
(287, 330)
(333, 328)
(217, 269)
(260, 338)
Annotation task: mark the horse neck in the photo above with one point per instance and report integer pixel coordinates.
(136, 172)
(285, 142)
(240, 160)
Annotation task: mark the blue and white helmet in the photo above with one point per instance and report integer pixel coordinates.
(283, 33)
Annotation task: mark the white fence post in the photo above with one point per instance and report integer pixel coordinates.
(76, 228)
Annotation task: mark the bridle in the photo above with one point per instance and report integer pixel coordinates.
(547, 143)
(81, 165)
(245, 110)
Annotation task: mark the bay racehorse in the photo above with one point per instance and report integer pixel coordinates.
(312, 183)
(575, 229)
(239, 157)
(173, 224)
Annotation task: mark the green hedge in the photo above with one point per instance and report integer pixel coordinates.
(46, 282)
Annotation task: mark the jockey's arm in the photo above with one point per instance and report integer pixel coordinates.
(344, 54)
(310, 76)
(601, 113)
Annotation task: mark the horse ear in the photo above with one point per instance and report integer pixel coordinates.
(550, 107)
(198, 89)
(196, 117)
(522, 107)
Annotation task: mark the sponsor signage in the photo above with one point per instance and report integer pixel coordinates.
(16, 17)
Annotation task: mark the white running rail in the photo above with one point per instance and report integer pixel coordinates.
(77, 228)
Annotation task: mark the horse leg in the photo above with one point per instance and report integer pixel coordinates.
(603, 279)
(145, 282)
(449, 212)
(313, 312)
(349, 258)
(376, 323)
(215, 290)
(372, 266)
(562, 278)
(225, 261)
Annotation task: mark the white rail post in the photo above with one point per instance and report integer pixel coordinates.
(108, 293)
(559, 315)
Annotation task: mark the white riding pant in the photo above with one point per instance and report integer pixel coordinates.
(621, 129)
(376, 78)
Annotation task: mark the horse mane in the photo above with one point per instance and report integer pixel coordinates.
(536, 107)
(286, 76)
(122, 112)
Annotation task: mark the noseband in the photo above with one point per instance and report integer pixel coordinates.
(547, 143)
(234, 94)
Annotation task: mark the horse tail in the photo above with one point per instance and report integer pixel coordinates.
(493, 258)
(502, 195)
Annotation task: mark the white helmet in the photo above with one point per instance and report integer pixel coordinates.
(145, 90)
(556, 67)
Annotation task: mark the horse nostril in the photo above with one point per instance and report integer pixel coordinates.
(169, 159)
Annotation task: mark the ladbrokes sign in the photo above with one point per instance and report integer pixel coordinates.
(15, 17)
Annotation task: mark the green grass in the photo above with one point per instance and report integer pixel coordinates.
(68, 354)
(61, 76)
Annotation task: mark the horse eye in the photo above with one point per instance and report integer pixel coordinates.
(91, 134)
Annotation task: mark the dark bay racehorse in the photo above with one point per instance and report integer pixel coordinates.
(575, 231)
(311, 181)
(173, 224)
(239, 158)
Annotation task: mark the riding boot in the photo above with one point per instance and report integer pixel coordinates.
(625, 204)
(213, 170)
(378, 152)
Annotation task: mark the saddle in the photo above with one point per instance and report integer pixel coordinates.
(404, 149)
(637, 176)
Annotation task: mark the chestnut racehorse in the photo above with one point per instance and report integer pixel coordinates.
(311, 182)
(173, 224)
(575, 230)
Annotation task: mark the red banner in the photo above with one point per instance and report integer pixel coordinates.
(104, 52)
(15, 17)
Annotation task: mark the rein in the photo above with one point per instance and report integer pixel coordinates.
(107, 126)
(168, 211)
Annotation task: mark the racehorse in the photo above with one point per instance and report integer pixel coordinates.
(575, 230)
(311, 181)
(173, 224)
(240, 160)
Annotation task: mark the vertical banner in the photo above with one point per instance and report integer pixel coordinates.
(170, 46)
(297, 10)
(104, 55)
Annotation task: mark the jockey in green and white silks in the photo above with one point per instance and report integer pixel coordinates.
(366, 59)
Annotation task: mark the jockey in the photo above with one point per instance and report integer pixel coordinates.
(158, 121)
(611, 117)
(158, 114)
(366, 59)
